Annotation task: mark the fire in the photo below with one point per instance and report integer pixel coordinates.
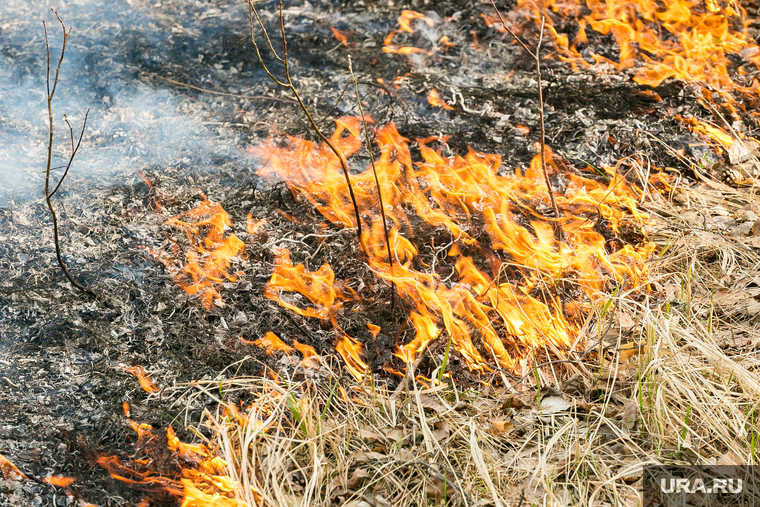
(405, 22)
(718, 135)
(208, 260)
(350, 350)
(499, 225)
(688, 40)
(142, 376)
(434, 99)
(318, 286)
(191, 472)
(340, 36)
(271, 343)
(9, 470)
(60, 481)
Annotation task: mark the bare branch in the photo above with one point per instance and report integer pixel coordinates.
(48, 193)
(74, 149)
(288, 84)
(537, 59)
(377, 181)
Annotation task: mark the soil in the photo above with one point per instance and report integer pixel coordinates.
(63, 354)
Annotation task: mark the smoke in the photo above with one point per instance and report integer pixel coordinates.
(132, 124)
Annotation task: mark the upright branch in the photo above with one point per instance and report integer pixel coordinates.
(288, 84)
(74, 148)
(536, 56)
(374, 173)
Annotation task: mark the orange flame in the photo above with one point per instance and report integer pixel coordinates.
(340, 36)
(142, 376)
(252, 226)
(10, 471)
(405, 22)
(202, 479)
(435, 100)
(271, 343)
(318, 286)
(718, 135)
(60, 481)
(350, 350)
(209, 258)
(687, 40)
(490, 320)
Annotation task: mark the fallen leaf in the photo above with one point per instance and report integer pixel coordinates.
(630, 415)
(625, 321)
(741, 151)
(730, 458)
(435, 489)
(575, 385)
(502, 428)
(395, 434)
(441, 430)
(365, 456)
(430, 403)
(518, 401)
(554, 404)
(356, 479)
(631, 349)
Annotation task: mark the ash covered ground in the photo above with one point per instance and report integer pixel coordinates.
(63, 354)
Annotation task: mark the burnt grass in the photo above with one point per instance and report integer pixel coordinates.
(62, 353)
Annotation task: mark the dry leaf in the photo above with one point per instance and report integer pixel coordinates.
(575, 385)
(441, 430)
(365, 456)
(625, 321)
(431, 403)
(629, 350)
(630, 414)
(518, 401)
(435, 489)
(502, 428)
(730, 458)
(395, 434)
(554, 404)
(356, 479)
(742, 151)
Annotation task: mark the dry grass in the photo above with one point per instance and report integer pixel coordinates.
(672, 381)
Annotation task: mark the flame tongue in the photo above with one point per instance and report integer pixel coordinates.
(684, 39)
(502, 219)
(209, 257)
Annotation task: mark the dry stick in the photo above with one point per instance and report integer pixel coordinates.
(537, 58)
(288, 83)
(214, 92)
(48, 193)
(377, 181)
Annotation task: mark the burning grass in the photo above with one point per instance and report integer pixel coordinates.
(579, 388)
(667, 378)
(496, 223)
(660, 388)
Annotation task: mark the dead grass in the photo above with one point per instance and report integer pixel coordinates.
(673, 381)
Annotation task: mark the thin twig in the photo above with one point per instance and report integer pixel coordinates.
(214, 92)
(288, 83)
(48, 193)
(377, 181)
(536, 56)
(74, 149)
